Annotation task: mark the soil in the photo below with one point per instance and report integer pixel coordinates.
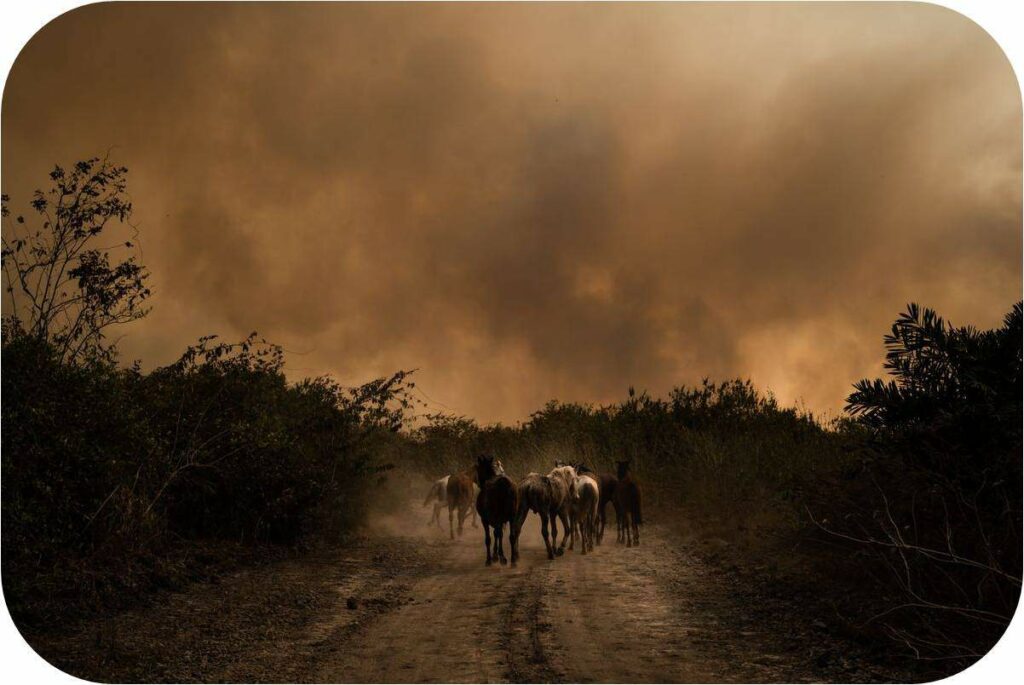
(406, 604)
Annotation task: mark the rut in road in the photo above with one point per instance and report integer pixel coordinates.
(617, 615)
(406, 604)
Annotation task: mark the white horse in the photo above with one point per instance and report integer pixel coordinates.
(439, 496)
(584, 495)
(562, 477)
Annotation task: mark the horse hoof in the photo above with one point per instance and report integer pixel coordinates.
(560, 552)
(504, 561)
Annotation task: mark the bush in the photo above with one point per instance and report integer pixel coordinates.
(941, 444)
(104, 467)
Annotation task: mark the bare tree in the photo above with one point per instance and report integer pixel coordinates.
(65, 287)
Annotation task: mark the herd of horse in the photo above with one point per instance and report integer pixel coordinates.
(570, 493)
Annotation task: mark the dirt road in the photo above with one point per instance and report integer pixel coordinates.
(408, 605)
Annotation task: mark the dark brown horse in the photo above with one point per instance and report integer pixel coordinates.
(627, 498)
(608, 483)
(459, 492)
(540, 495)
(497, 504)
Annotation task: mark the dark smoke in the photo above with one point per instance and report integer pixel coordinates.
(529, 201)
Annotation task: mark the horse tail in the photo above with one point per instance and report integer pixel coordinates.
(511, 496)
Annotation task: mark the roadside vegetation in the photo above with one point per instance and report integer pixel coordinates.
(116, 482)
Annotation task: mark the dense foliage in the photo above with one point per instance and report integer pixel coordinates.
(107, 470)
(104, 467)
(917, 493)
(721, 441)
(944, 454)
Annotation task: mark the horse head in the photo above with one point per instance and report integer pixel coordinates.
(623, 468)
(485, 469)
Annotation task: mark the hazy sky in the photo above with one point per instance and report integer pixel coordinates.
(533, 202)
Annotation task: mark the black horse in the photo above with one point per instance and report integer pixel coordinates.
(497, 504)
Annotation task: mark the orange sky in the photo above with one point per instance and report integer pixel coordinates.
(535, 201)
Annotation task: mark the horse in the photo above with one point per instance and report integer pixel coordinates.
(439, 496)
(627, 497)
(603, 482)
(562, 477)
(607, 483)
(459, 494)
(497, 504)
(584, 495)
(537, 494)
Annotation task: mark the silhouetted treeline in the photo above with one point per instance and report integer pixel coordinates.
(109, 472)
(105, 468)
(917, 490)
(942, 452)
(720, 440)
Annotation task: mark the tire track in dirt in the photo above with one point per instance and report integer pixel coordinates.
(606, 616)
(450, 630)
(525, 622)
(406, 604)
(653, 613)
(611, 621)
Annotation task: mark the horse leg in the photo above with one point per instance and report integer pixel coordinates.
(564, 516)
(581, 526)
(472, 511)
(577, 529)
(544, 532)
(636, 528)
(553, 518)
(462, 517)
(600, 523)
(572, 530)
(587, 533)
(499, 534)
(625, 525)
(451, 520)
(593, 529)
(487, 542)
(513, 541)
